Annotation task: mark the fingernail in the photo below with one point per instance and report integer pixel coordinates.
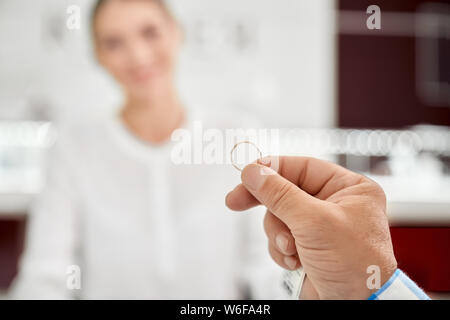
(282, 242)
(291, 262)
(254, 176)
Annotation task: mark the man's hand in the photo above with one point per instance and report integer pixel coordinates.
(323, 217)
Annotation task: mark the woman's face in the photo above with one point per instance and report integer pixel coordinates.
(137, 42)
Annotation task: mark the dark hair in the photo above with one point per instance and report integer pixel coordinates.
(100, 3)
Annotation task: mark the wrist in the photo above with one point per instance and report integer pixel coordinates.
(372, 280)
(386, 275)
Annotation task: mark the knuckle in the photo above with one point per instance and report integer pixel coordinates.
(373, 189)
(291, 249)
(379, 190)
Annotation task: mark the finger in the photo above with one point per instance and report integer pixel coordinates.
(284, 199)
(286, 262)
(279, 235)
(316, 177)
(240, 199)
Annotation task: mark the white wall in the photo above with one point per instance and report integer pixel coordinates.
(280, 65)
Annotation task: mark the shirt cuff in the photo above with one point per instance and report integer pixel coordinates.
(399, 287)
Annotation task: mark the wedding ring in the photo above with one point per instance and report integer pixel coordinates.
(237, 145)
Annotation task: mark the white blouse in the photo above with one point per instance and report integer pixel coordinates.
(139, 226)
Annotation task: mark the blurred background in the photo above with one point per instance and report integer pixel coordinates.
(375, 101)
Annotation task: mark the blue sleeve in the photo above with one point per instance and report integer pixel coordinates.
(399, 287)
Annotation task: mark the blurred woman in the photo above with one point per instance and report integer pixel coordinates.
(117, 215)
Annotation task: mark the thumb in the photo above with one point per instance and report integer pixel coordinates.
(281, 197)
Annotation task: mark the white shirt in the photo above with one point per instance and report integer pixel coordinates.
(139, 226)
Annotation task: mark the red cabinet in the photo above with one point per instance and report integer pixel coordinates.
(424, 254)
